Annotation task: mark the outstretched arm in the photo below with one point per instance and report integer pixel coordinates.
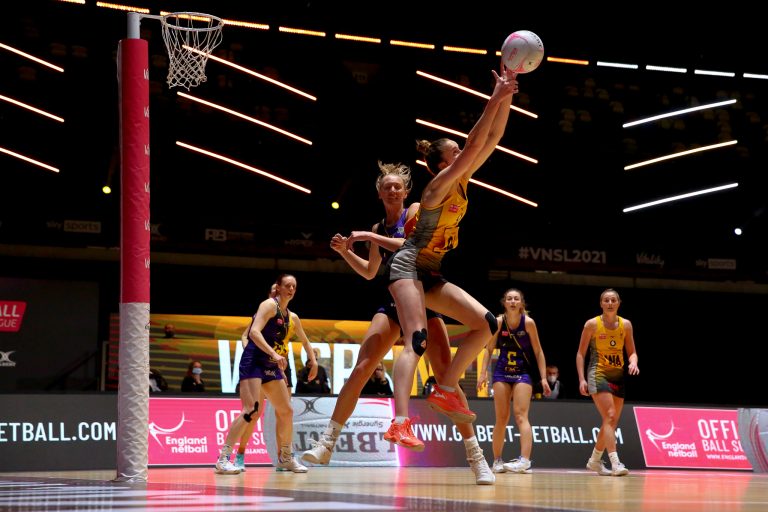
(481, 141)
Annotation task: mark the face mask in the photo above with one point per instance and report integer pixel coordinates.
(197, 371)
(552, 378)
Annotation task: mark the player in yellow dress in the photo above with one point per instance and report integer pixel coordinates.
(607, 336)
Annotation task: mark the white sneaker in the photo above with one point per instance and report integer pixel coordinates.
(225, 467)
(598, 467)
(321, 451)
(498, 466)
(521, 465)
(290, 465)
(619, 470)
(240, 462)
(483, 474)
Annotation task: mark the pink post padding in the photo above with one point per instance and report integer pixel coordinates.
(134, 141)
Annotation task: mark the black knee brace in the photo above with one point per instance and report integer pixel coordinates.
(248, 415)
(419, 342)
(493, 324)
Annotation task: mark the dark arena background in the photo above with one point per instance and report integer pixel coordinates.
(692, 273)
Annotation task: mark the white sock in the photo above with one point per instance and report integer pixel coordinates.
(597, 455)
(449, 389)
(225, 452)
(614, 457)
(333, 430)
(470, 443)
(400, 419)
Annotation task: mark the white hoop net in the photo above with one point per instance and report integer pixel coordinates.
(189, 37)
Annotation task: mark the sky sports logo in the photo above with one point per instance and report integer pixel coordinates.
(11, 315)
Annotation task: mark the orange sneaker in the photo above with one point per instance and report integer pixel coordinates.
(403, 435)
(449, 404)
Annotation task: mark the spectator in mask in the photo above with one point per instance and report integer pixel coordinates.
(193, 380)
(553, 377)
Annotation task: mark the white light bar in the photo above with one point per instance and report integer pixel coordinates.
(243, 116)
(471, 91)
(242, 165)
(666, 68)
(681, 153)
(33, 109)
(27, 159)
(681, 196)
(254, 73)
(753, 75)
(679, 112)
(495, 189)
(461, 134)
(31, 57)
(713, 73)
(616, 65)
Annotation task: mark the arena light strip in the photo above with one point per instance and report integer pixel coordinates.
(301, 31)
(459, 49)
(753, 75)
(681, 153)
(666, 68)
(460, 134)
(679, 112)
(27, 159)
(242, 165)
(491, 187)
(562, 60)
(679, 197)
(254, 73)
(33, 109)
(31, 57)
(243, 116)
(121, 7)
(362, 39)
(471, 91)
(714, 73)
(616, 65)
(423, 46)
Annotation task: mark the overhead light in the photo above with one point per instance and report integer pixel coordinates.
(679, 112)
(254, 73)
(33, 109)
(679, 197)
(471, 91)
(243, 116)
(681, 153)
(461, 134)
(495, 189)
(243, 166)
(28, 159)
(31, 57)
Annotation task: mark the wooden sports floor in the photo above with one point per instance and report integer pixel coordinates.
(430, 489)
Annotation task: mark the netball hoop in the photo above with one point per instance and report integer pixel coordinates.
(189, 37)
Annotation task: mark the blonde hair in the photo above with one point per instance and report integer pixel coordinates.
(401, 171)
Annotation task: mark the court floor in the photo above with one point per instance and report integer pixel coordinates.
(367, 488)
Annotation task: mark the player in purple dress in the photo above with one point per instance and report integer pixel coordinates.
(520, 357)
(261, 369)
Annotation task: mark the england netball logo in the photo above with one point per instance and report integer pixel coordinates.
(155, 430)
(653, 437)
